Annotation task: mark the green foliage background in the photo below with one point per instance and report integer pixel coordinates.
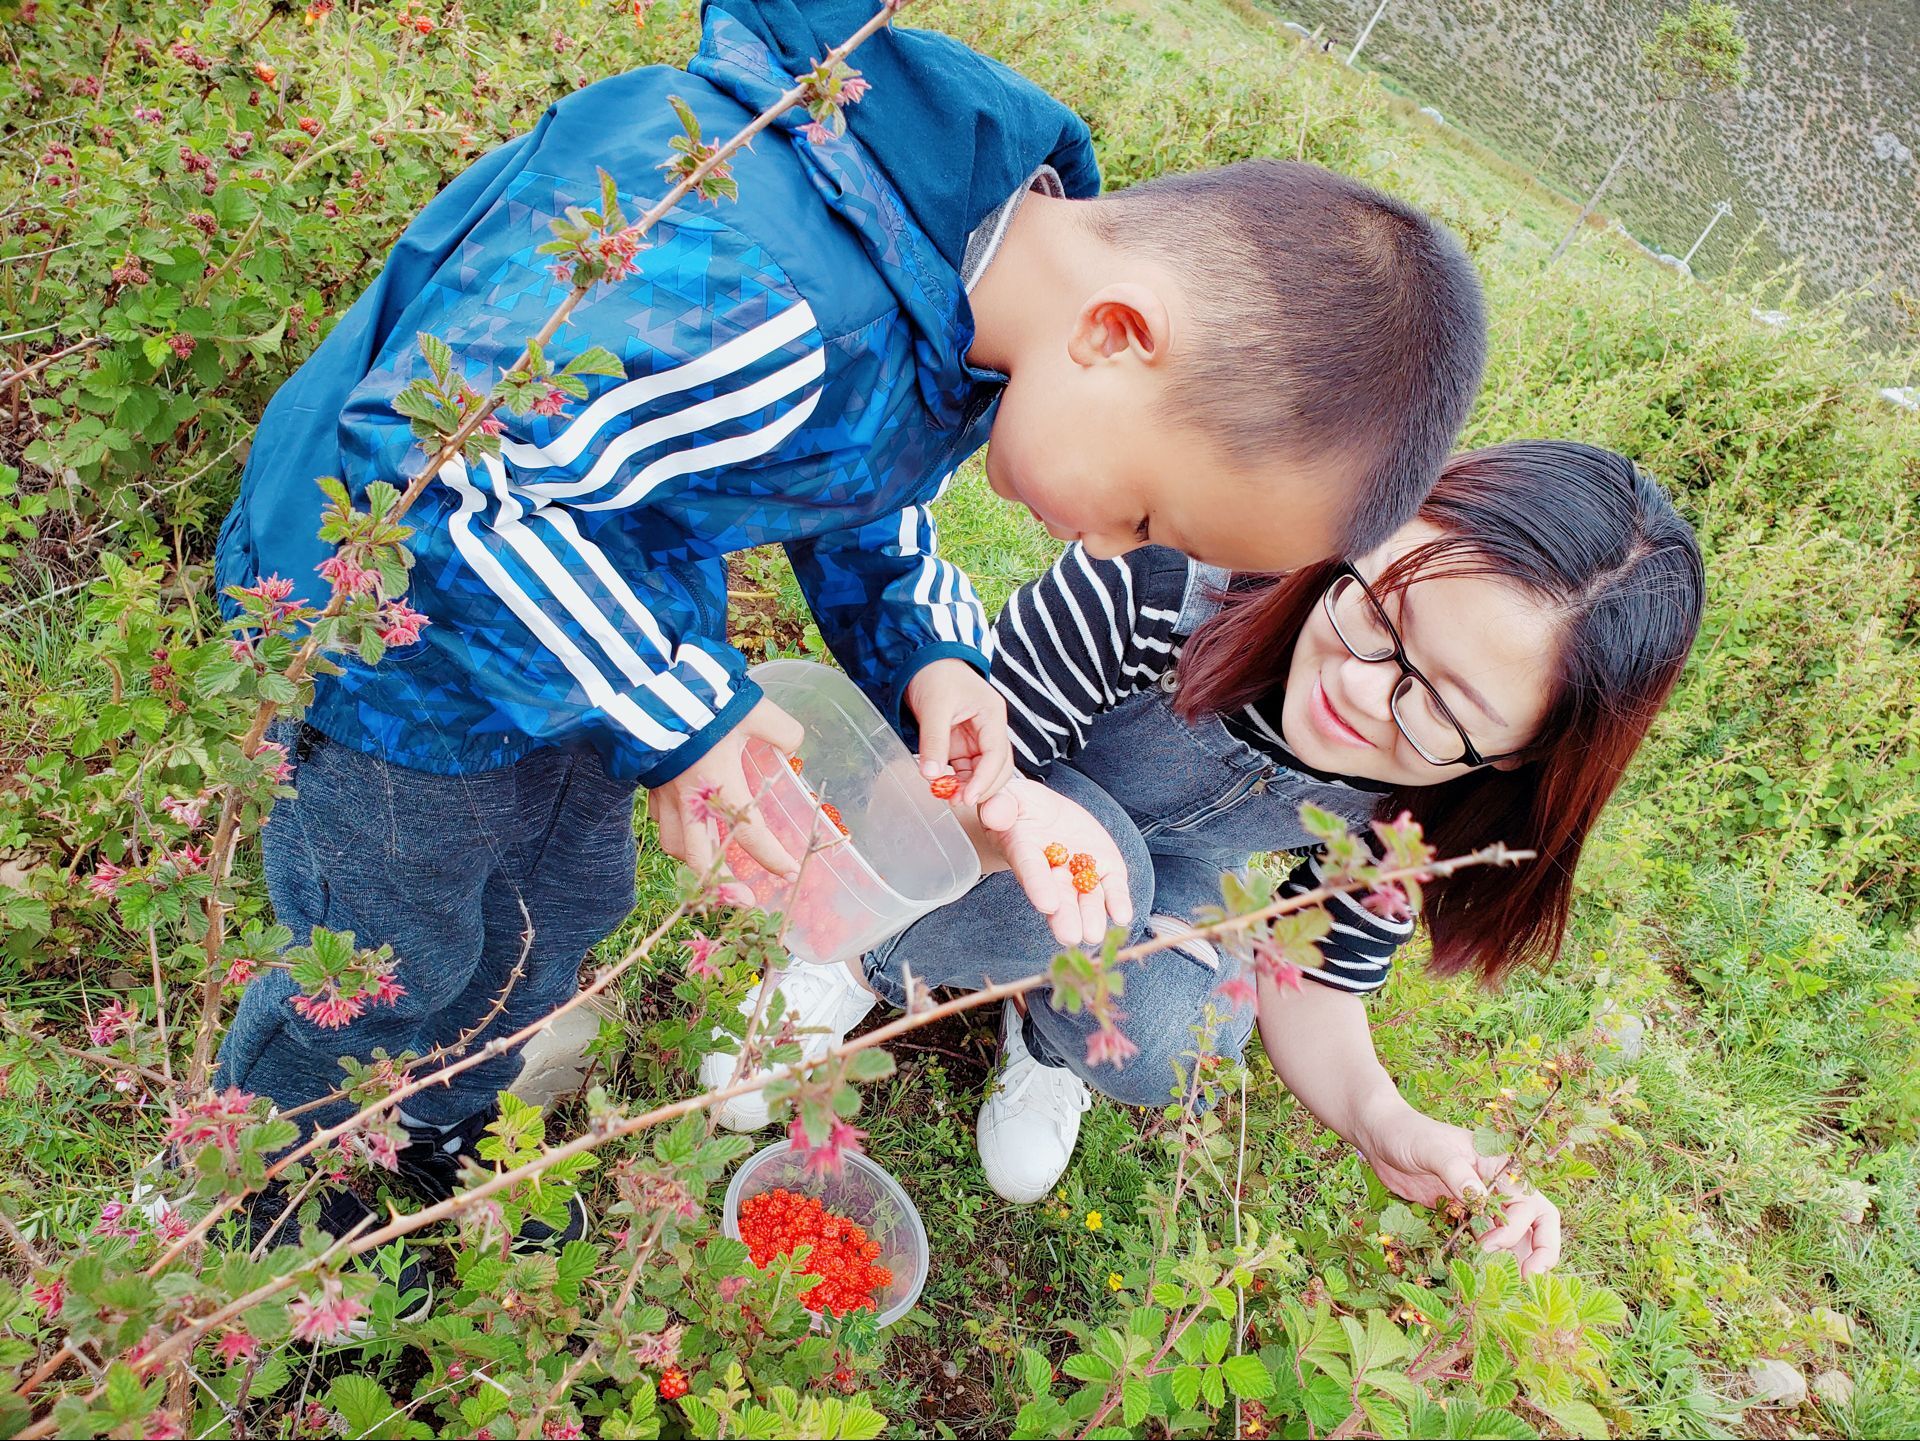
(1746, 1184)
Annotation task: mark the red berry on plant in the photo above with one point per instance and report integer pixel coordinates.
(673, 1384)
(309, 125)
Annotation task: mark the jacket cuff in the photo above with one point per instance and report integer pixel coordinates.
(671, 763)
(902, 718)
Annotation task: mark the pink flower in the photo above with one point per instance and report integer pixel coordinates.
(188, 858)
(183, 345)
(189, 813)
(345, 574)
(111, 1223)
(327, 1318)
(493, 425)
(330, 1011)
(241, 970)
(147, 115)
(283, 770)
(162, 1426)
(1237, 990)
(701, 807)
(1109, 1045)
(233, 1347)
(111, 1024)
(401, 623)
(105, 880)
(50, 1296)
(731, 1286)
(700, 951)
(552, 403)
(1275, 967)
(170, 1223)
(561, 1431)
(818, 133)
(240, 647)
(660, 1349)
(1389, 902)
(852, 89)
(386, 991)
(826, 1159)
(380, 1149)
(215, 1120)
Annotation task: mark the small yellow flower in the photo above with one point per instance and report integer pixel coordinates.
(1114, 1281)
(1093, 1220)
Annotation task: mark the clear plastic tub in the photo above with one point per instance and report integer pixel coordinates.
(903, 853)
(863, 1193)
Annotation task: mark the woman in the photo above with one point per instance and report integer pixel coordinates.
(1491, 668)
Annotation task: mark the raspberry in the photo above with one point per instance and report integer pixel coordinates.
(832, 813)
(795, 764)
(266, 73)
(945, 788)
(673, 1384)
(839, 1251)
(309, 125)
(1056, 854)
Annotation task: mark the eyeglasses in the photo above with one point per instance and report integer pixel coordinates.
(1422, 717)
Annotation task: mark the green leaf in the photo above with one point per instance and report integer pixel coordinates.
(872, 1065)
(1135, 1401)
(1185, 1386)
(438, 353)
(1038, 1369)
(596, 360)
(362, 1404)
(1250, 1380)
(1083, 1367)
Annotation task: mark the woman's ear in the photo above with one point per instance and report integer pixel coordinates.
(1127, 320)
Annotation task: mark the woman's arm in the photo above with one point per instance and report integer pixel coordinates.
(1319, 1043)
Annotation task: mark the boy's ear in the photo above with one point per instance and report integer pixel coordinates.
(1123, 319)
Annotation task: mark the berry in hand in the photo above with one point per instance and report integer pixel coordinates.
(1056, 854)
(1085, 872)
(945, 788)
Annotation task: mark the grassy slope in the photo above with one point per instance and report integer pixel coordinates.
(1723, 1219)
(1776, 1065)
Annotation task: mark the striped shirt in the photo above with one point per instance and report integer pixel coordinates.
(1075, 643)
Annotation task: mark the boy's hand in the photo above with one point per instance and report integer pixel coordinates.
(963, 727)
(1426, 1161)
(682, 807)
(1027, 817)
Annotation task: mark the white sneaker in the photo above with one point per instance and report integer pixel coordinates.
(1031, 1118)
(829, 1003)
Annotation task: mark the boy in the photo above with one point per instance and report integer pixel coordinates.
(1261, 366)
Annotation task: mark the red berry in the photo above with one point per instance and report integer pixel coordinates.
(795, 764)
(309, 125)
(673, 1384)
(1056, 854)
(945, 788)
(832, 813)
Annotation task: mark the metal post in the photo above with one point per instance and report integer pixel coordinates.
(1720, 211)
(1360, 44)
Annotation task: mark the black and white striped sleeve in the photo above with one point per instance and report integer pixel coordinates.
(1079, 640)
(1357, 954)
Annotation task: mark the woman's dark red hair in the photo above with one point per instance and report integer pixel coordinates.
(1591, 536)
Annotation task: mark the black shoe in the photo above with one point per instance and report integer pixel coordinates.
(430, 1167)
(342, 1213)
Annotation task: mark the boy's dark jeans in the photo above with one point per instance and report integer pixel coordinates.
(460, 875)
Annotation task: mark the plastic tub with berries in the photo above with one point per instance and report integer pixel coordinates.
(881, 849)
(867, 1241)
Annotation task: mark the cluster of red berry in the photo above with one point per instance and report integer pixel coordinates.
(773, 1223)
(673, 1384)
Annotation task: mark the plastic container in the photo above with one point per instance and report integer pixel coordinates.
(863, 1193)
(903, 852)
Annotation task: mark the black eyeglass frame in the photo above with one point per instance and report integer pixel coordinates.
(1408, 671)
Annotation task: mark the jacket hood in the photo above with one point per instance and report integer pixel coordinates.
(955, 132)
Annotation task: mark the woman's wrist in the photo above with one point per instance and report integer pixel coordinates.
(1375, 1108)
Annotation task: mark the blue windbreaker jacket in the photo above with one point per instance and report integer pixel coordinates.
(795, 372)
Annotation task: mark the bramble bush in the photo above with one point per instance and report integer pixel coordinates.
(198, 193)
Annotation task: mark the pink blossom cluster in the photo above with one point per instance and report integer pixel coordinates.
(843, 1139)
(401, 624)
(215, 1120)
(327, 1316)
(330, 1008)
(189, 56)
(113, 1022)
(346, 575)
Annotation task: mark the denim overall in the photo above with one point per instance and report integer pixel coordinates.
(1185, 802)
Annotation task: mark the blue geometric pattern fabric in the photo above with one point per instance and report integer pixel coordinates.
(794, 372)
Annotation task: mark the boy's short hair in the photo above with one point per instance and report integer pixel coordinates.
(1333, 319)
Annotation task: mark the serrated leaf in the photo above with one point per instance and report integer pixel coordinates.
(1038, 1370)
(596, 360)
(1184, 1383)
(1135, 1401)
(438, 353)
(1248, 1377)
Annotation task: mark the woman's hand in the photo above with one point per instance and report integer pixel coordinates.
(1426, 1161)
(1021, 822)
